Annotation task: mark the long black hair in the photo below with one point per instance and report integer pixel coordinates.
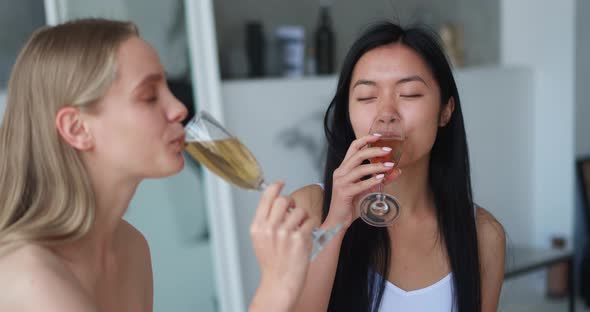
(365, 249)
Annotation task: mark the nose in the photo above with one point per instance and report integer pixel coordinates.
(388, 124)
(388, 106)
(177, 111)
(387, 118)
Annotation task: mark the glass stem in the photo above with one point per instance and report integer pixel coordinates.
(381, 191)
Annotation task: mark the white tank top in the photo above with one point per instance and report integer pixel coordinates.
(437, 297)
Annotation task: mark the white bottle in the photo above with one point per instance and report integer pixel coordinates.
(291, 41)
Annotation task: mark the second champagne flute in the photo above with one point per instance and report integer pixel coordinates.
(209, 143)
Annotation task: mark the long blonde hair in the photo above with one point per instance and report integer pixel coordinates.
(45, 192)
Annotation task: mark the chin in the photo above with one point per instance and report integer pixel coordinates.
(177, 166)
(170, 168)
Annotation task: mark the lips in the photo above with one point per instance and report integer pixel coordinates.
(178, 141)
(178, 144)
(178, 135)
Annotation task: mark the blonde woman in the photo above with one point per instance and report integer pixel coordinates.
(88, 117)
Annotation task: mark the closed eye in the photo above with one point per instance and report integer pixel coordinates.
(149, 98)
(365, 99)
(410, 95)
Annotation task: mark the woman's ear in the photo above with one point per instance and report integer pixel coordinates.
(447, 112)
(73, 129)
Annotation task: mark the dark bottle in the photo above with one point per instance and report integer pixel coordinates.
(324, 44)
(255, 49)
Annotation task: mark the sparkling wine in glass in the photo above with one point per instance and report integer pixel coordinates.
(381, 209)
(209, 143)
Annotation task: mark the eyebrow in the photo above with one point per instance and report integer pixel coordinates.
(155, 77)
(401, 81)
(410, 79)
(364, 82)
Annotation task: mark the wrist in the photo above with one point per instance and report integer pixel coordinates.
(272, 296)
(331, 221)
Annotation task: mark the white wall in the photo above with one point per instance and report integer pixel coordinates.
(540, 34)
(496, 105)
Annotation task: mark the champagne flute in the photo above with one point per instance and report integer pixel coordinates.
(209, 143)
(380, 209)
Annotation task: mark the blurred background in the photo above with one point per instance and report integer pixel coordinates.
(267, 69)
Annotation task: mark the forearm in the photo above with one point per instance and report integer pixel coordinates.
(321, 274)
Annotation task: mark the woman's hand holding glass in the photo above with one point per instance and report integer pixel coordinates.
(282, 240)
(348, 183)
(209, 143)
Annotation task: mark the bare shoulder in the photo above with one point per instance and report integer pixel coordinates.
(131, 238)
(134, 248)
(33, 278)
(311, 198)
(491, 237)
(489, 230)
(136, 256)
(492, 254)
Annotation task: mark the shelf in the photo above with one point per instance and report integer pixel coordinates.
(471, 71)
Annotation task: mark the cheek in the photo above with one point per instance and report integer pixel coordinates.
(421, 130)
(115, 143)
(426, 136)
(360, 119)
(120, 139)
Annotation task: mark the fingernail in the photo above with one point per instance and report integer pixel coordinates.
(379, 176)
(387, 149)
(377, 134)
(388, 164)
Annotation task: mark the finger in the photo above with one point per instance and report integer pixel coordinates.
(268, 197)
(295, 218)
(365, 154)
(279, 209)
(365, 185)
(365, 170)
(360, 143)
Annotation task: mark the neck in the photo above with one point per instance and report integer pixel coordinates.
(412, 190)
(112, 195)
